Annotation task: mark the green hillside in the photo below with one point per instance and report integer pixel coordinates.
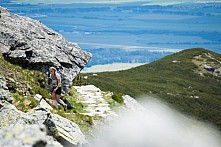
(179, 79)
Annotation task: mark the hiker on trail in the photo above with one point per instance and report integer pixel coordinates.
(56, 90)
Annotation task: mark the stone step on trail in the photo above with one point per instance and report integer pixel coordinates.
(93, 96)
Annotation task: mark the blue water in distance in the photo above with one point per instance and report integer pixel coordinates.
(130, 32)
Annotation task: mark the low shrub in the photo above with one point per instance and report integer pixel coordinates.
(118, 97)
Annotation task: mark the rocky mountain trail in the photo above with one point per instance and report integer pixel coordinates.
(94, 98)
(63, 131)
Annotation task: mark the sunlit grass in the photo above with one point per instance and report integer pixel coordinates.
(24, 103)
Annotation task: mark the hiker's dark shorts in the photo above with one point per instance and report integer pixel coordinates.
(58, 91)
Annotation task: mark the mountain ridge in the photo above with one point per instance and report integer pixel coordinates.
(176, 79)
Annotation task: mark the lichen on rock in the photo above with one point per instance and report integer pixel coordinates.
(26, 135)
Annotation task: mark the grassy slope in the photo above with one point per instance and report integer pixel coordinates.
(176, 83)
(27, 83)
(24, 84)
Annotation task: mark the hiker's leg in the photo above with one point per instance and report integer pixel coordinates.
(60, 100)
(54, 99)
(53, 95)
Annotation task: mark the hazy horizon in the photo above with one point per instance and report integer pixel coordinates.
(159, 2)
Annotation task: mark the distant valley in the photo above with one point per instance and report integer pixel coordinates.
(130, 32)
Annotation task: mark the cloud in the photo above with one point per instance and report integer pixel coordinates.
(156, 126)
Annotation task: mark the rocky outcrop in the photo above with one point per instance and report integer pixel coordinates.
(31, 44)
(42, 103)
(64, 131)
(26, 135)
(30, 125)
(4, 93)
(27, 129)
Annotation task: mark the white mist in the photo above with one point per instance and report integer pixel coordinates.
(156, 126)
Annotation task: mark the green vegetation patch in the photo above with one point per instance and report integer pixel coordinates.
(24, 84)
(24, 103)
(118, 97)
(83, 121)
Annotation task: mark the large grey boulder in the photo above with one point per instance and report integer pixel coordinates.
(30, 43)
(42, 103)
(64, 131)
(26, 135)
(9, 116)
